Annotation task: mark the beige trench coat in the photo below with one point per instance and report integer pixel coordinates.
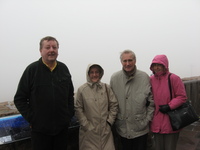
(95, 111)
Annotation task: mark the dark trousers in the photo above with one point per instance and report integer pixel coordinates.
(166, 141)
(139, 143)
(42, 141)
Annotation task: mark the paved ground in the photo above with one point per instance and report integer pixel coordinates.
(190, 137)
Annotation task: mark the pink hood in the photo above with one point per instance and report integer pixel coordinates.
(160, 59)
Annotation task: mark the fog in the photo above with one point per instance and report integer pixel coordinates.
(96, 31)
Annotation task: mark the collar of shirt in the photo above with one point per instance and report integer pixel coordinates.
(51, 68)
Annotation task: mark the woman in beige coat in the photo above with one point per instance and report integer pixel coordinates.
(96, 108)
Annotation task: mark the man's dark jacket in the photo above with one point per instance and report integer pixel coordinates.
(44, 98)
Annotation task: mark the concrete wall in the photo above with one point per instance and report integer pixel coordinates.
(193, 93)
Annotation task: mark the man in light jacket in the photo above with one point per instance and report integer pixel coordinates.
(133, 91)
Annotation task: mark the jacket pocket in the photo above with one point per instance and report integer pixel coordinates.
(140, 122)
(120, 124)
(87, 127)
(64, 82)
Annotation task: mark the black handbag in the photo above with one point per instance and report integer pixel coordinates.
(183, 115)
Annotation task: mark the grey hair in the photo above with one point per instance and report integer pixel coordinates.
(128, 51)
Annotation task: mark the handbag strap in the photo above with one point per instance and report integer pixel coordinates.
(107, 96)
(107, 91)
(170, 87)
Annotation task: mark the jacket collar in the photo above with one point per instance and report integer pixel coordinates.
(97, 85)
(131, 76)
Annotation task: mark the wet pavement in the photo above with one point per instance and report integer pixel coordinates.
(189, 138)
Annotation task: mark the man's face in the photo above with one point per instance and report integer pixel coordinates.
(128, 62)
(49, 51)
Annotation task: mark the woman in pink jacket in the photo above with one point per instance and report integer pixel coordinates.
(165, 137)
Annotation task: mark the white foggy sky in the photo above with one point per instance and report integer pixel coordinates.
(96, 31)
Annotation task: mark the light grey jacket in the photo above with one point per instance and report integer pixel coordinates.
(95, 109)
(133, 94)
